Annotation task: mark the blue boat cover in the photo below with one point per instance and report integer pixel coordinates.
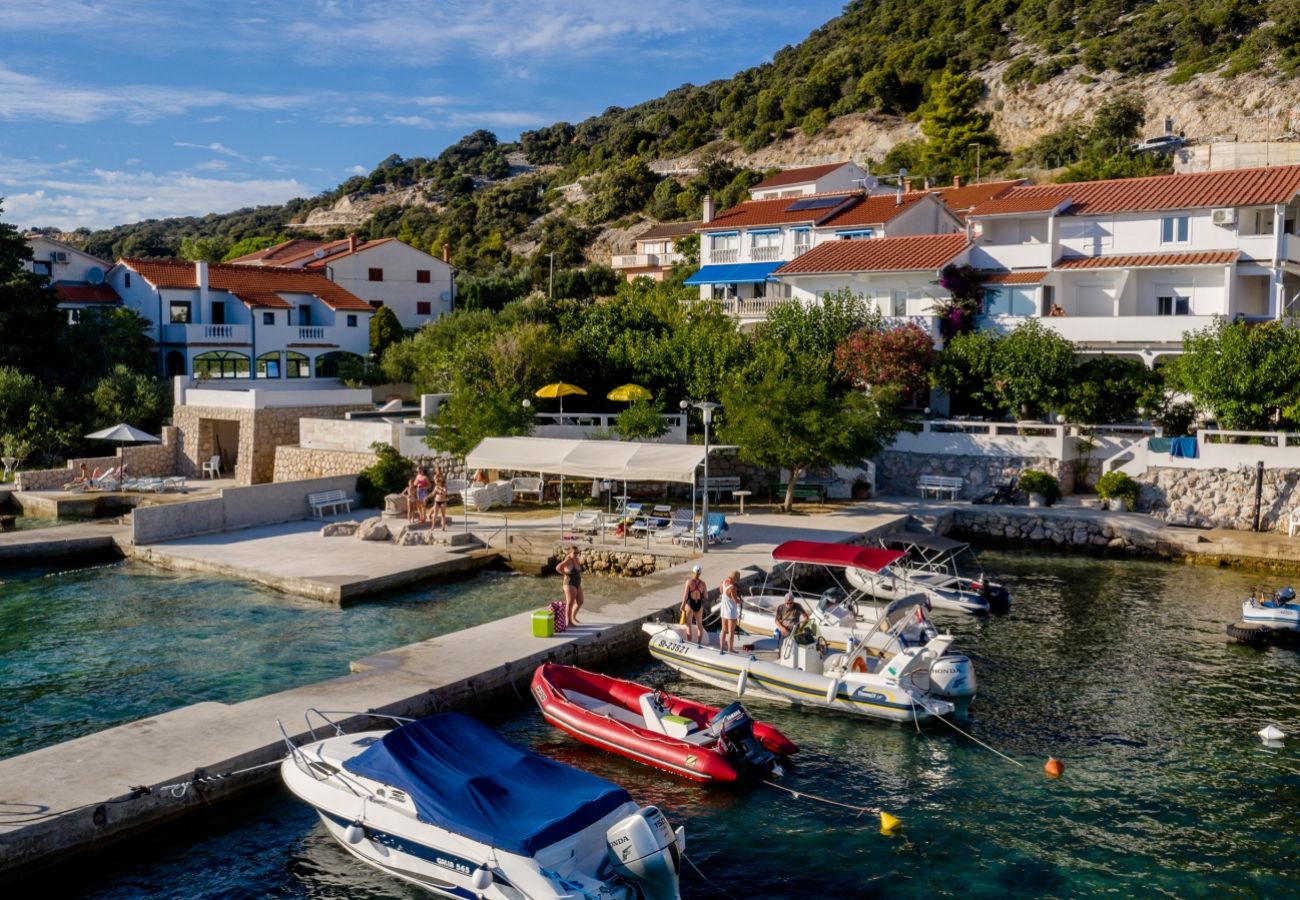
(466, 778)
(734, 273)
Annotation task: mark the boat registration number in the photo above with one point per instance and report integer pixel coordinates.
(455, 863)
(674, 647)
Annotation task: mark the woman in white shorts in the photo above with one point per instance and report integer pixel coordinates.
(730, 612)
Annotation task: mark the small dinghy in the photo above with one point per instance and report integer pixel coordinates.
(946, 571)
(1281, 612)
(671, 733)
(448, 804)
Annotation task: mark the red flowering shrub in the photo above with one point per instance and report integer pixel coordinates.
(899, 356)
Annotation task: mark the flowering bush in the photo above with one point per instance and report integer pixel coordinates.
(957, 312)
(899, 356)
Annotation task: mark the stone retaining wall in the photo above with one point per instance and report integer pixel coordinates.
(897, 472)
(1220, 498)
(298, 463)
(142, 461)
(1060, 530)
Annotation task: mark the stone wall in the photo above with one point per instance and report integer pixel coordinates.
(297, 463)
(142, 461)
(896, 473)
(1220, 498)
(1061, 529)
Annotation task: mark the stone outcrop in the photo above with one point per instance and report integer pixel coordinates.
(340, 529)
(626, 563)
(373, 529)
(1061, 530)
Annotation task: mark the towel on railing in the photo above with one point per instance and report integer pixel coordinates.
(1159, 444)
(1184, 447)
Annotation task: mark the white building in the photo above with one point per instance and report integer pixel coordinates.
(224, 321)
(416, 286)
(78, 278)
(655, 253)
(809, 180)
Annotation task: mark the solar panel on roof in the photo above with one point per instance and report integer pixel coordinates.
(814, 203)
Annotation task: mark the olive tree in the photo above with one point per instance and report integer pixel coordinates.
(1248, 376)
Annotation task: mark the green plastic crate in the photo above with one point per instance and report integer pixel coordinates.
(543, 623)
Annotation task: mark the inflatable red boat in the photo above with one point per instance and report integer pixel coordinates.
(658, 729)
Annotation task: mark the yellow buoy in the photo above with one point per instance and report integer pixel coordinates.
(888, 823)
(1054, 767)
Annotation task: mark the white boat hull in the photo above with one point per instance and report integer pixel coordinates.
(1277, 616)
(888, 587)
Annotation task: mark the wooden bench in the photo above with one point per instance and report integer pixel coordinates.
(802, 491)
(329, 500)
(940, 484)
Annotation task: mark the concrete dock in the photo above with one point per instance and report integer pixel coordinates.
(109, 786)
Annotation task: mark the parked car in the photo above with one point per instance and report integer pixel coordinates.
(1165, 143)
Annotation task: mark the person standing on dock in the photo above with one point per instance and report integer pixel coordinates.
(439, 500)
(729, 612)
(571, 568)
(693, 596)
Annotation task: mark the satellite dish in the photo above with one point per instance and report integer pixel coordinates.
(902, 173)
(445, 296)
(319, 254)
(95, 275)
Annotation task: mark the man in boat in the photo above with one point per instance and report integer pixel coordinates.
(789, 616)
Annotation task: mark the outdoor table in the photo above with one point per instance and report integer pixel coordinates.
(741, 495)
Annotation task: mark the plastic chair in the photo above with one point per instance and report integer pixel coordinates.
(212, 468)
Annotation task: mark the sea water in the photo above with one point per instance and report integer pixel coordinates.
(1120, 668)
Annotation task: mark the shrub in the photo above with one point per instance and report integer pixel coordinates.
(1118, 484)
(1033, 481)
(387, 476)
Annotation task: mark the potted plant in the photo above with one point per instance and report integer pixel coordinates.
(1042, 488)
(1118, 490)
(861, 488)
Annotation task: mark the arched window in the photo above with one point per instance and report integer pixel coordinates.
(296, 365)
(268, 365)
(221, 364)
(327, 364)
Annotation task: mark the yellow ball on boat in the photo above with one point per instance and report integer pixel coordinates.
(888, 823)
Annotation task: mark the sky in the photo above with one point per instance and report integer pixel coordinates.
(114, 111)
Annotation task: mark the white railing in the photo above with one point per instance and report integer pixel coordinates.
(1012, 256)
(311, 332)
(801, 249)
(196, 334)
(644, 260)
(1220, 449)
(755, 308)
(765, 254)
(1292, 248)
(1110, 329)
(1259, 247)
(585, 425)
(724, 256)
(959, 437)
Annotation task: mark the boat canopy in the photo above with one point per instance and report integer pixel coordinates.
(927, 541)
(819, 553)
(464, 777)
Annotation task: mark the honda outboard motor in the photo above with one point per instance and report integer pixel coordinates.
(952, 677)
(644, 849)
(735, 730)
(995, 595)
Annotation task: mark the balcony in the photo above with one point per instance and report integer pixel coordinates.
(730, 255)
(314, 333)
(207, 334)
(644, 260)
(765, 254)
(1092, 330)
(752, 310)
(800, 250)
(1012, 256)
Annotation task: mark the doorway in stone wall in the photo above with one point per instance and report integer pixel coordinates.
(219, 438)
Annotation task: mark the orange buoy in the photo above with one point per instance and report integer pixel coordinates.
(1054, 767)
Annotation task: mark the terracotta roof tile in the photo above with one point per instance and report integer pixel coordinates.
(339, 249)
(1028, 276)
(1196, 190)
(797, 176)
(1149, 260)
(667, 230)
(960, 199)
(262, 299)
(898, 254)
(84, 292)
(248, 280)
(875, 209)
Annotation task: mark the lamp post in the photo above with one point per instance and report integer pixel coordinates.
(706, 408)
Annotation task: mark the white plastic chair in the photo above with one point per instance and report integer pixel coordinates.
(1293, 522)
(212, 468)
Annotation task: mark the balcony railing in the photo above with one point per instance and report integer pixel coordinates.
(311, 332)
(752, 309)
(198, 334)
(801, 249)
(724, 256)
(644, 260)
(765, 254)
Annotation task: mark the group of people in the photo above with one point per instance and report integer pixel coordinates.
(789, 615)
(88, 479)
(427, 500)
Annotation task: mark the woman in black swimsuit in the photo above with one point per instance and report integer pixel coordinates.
(693, 597)
(571, 568)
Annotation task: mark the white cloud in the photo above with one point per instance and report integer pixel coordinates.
(348, 119)
(411, 121)
(212, 165)
(358, 170)
(215, 147)
(109, 197)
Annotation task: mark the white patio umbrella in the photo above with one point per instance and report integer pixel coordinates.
(123, 434)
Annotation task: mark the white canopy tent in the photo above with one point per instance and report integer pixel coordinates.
(614, 460)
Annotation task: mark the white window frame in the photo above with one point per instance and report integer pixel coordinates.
(1175, 229)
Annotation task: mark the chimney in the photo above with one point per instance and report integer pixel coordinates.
(970, 230)
(898, 198)
(446, 253)
(907, 185)
(352, 243)
(201, 277)
(708, 210)
(956, 181)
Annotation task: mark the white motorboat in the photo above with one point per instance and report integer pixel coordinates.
(945, 570)
(1281, 612)
(906, 686)
(446, 803)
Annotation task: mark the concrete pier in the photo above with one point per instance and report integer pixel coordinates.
(88, 792)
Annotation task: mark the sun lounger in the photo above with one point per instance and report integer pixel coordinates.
(680, 524)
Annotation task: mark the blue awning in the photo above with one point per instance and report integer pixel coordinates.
(736, 273)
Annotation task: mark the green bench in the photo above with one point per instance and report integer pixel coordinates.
(802, 491)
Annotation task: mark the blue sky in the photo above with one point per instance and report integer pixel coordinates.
(114, 111)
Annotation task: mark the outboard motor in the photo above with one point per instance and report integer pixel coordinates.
(952, 677)
(1284, 596)
(995, 595)
(644, 849)
(735, 730)
(832, 596)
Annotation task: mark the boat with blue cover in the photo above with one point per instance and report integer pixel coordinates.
(448, 804)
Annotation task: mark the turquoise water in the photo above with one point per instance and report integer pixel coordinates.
(85, 649)
(1119, 668)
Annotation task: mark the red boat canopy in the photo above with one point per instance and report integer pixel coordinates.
(819, 553)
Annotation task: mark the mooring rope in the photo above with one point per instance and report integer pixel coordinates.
(709, 880)
(978, 741)
(860, 810)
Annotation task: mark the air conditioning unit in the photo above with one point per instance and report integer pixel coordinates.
(59, 256)
(1224, 216)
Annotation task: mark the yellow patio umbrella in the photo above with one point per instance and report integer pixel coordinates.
(559, 390)
(628, 393)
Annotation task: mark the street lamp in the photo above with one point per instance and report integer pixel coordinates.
(706, 408)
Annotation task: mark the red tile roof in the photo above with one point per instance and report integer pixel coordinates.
(898, 254)
(82, 292)
(1197, 190)
(339, 249)
(1027, 276)
(968, 196)
(797, 176)
(1149, 260)
(285, 250)
(248, 283)
(876, 209)
(667, 230)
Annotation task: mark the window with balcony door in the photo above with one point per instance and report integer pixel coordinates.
(296, 365)
(764, 246)
(1173, 305)
(218, 312)
(724, 248)
(376, 274)
(1174, 230)
(898, 303)
(422, 276)
(1264, 220)
(268, 365)
(179, 311)
(802, 240)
